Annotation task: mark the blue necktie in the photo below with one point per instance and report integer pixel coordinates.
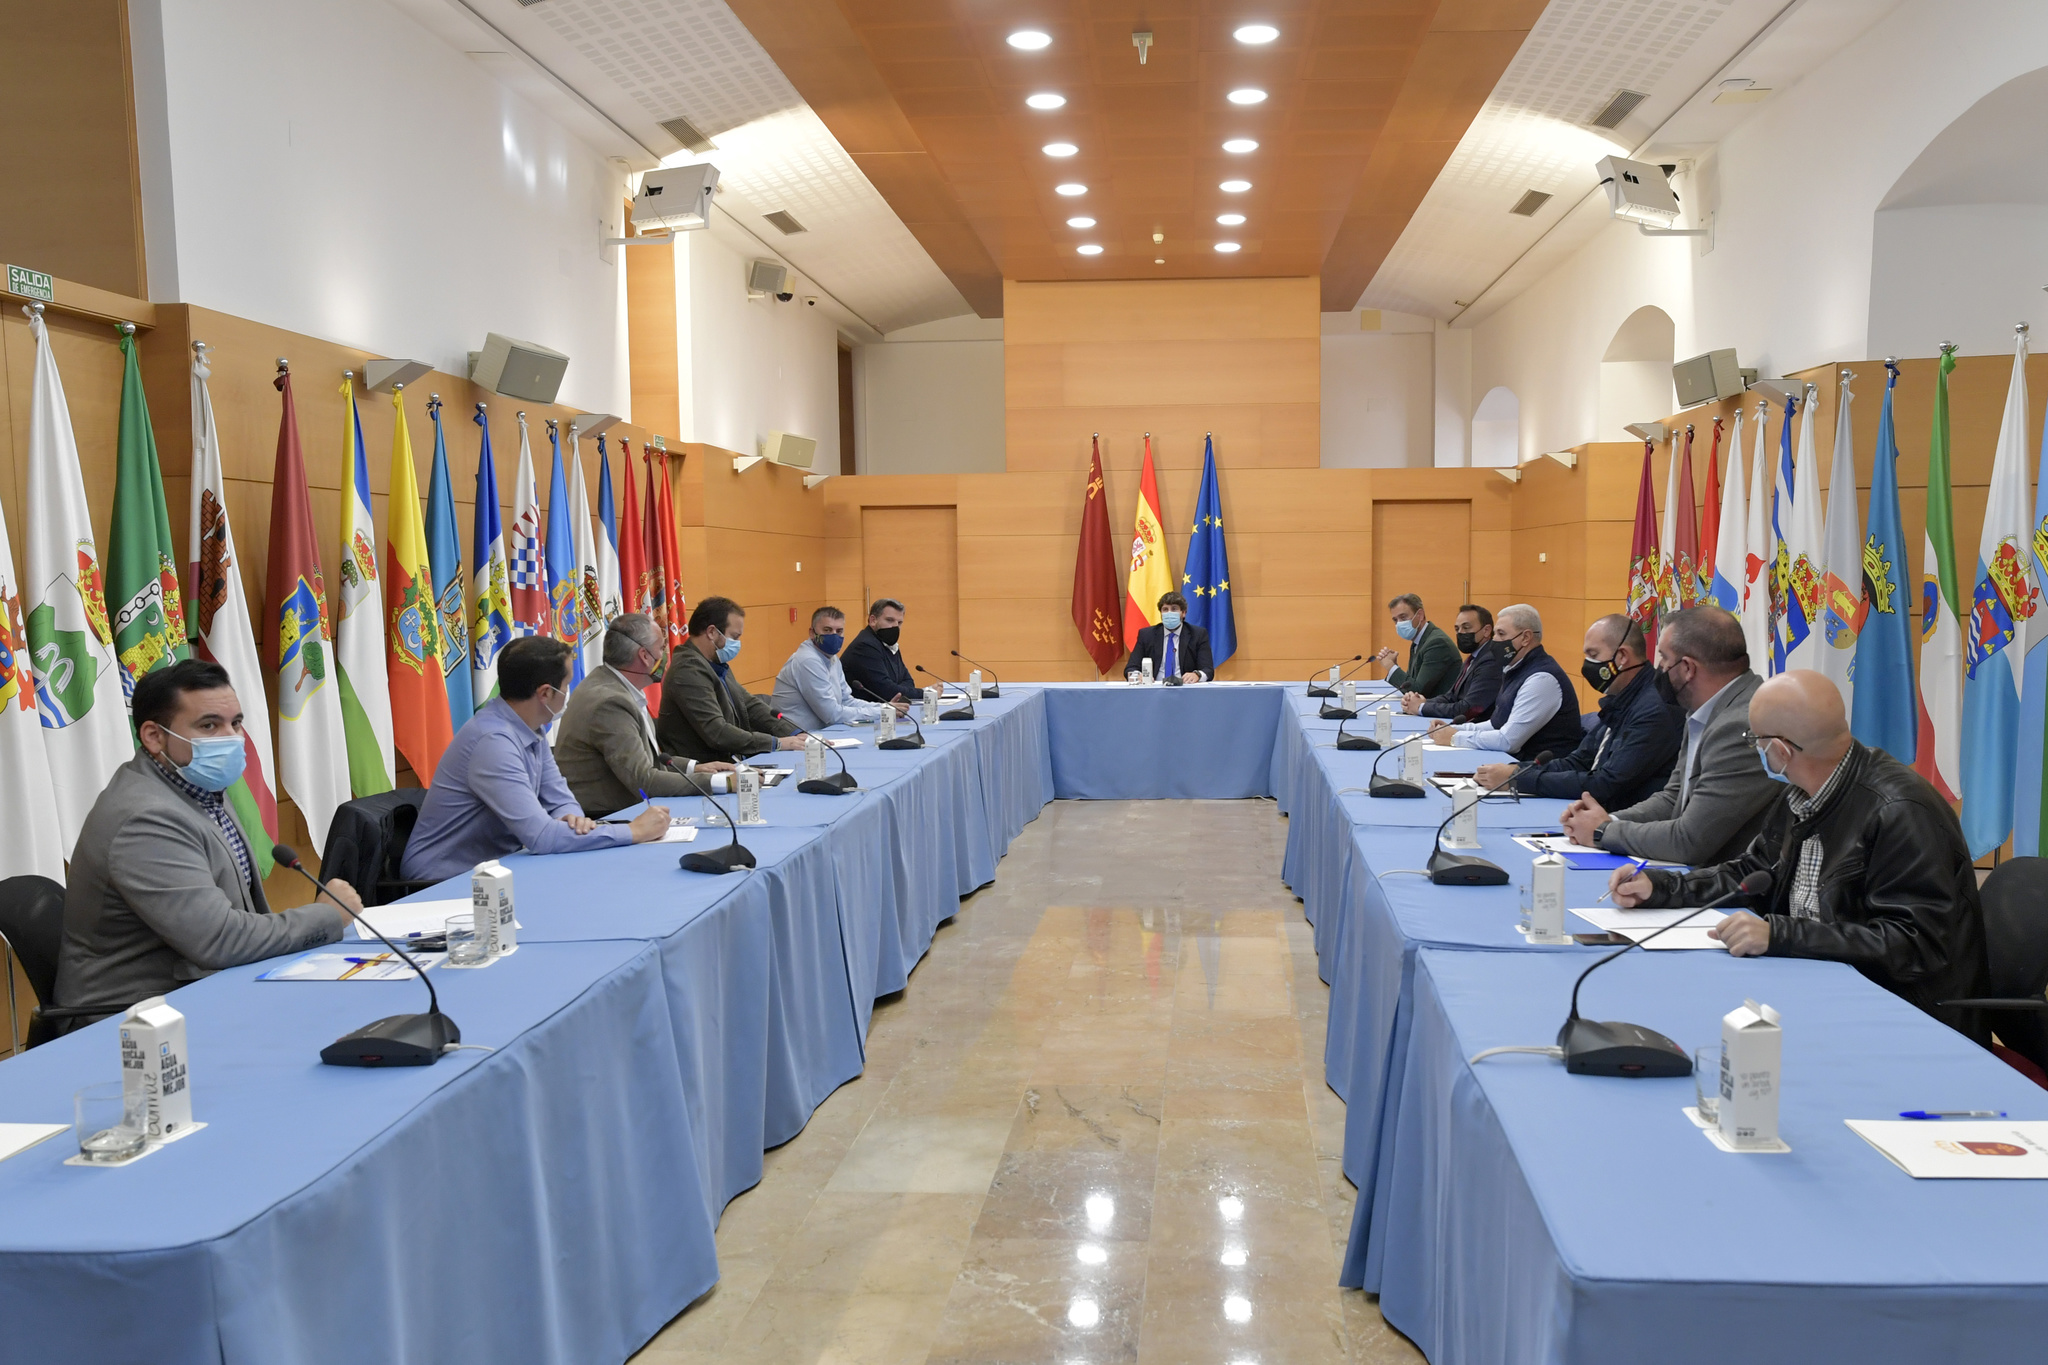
(1171, 637)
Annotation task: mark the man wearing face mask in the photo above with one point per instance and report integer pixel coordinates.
(1868, 863)
(1432, 657)
(606, 747)
(1537, 708)
(497, 790)
(1477, 685)
(1176, 648)
(1716, 798)
(1627, 755)
(811, 690)
(873, 660)
(163, 887)
(705, 713)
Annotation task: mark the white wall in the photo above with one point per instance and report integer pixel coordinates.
(929, 399)
(335, 169)
(1377, 393)
(751, 366)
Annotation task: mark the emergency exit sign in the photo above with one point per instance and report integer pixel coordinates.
(31, 284)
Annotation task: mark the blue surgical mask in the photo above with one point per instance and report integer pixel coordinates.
(728, 651)
(1405, 629)
(216, 763)
(831, 644)
(1763, 753)
(1170, 619)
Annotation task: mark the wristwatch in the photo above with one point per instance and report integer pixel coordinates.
(1600, 833)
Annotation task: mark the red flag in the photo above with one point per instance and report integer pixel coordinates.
(1710, 518)
(632, 538)
(1151, 577)
(672, 563)
(1642, 552)
(1096, 592)
(657, 569)
(1685, 551)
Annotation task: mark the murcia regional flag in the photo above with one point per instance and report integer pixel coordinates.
(28, 801)
(1151, 576)
(365, 693)
(78, 679)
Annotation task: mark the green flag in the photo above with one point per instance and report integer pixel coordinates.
(148, 616)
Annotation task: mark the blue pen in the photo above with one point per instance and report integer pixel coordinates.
(1634, 868)
(1951, 1113)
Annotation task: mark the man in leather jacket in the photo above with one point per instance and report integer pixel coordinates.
(1869, 866)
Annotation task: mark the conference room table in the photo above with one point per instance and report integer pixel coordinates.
(555, 1198)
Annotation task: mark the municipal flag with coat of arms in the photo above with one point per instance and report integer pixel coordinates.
(451, 582)
(412, 633)
(1842, 603)
(28, 799)
(143, 595)
(359, 648)
(1882, 715)
(490, 627)
(1937, 746)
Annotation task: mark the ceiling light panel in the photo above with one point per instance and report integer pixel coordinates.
(1029, 40)
(1235, 186)
(1080, 222)
(1060, 149)
(1089, 249)
(1070, 190)
(1045, 99)
(1247, 95)
(1238, 146)
(1256, 35)
(1229, 219)
(1226, 247)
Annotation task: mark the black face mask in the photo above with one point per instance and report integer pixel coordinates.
(1599, 675)
(888, 635)
(1665, 689)
(1468, 642)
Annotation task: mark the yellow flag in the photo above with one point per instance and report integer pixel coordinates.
(412, 630)
(1151, 576)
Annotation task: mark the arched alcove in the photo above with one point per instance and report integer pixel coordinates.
(1635, 373)
(1497, 429)
(1957, 242)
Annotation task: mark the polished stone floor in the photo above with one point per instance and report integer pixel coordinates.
(1093, 1129)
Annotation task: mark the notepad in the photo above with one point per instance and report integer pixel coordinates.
(384, 966)
(1989, 1149)
(1640, 924)
(413, 919)
(19, 1137)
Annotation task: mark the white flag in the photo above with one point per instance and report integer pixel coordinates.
(1841, 561)
(28, 799)
(1757, 551)
(589, 586)
(1803, 543)
(1670, 597)
(532, 614)
(78, 679)
(365, 688)
(219, 614)
(1730, 571)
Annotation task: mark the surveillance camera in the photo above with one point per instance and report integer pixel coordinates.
(810, 300)
(784, 297)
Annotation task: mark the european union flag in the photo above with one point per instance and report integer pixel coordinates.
(1205, 577)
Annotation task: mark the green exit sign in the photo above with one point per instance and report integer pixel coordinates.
(31, 284)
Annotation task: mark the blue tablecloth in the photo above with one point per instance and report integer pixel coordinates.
(1115, 742)
(1540, 1217)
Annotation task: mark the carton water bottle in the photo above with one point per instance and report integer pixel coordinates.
(931, 706)
(1334, 670)
(1347, 696)
(814, 758)
(885, 724)
(154, 1069)
(1752, 1051)
(1546, 913)
(750, 794)
(1411, 764)
(490, 897)
(1465, 817)
(1383, 726)
(1145, 668)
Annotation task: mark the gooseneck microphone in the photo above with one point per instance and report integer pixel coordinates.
(1394, 786)
(1463, 869)
(1316, 689)
(840, 783)
(1592, 1048)
(957, 713)
(720, 861)
(399, 1039)
(902, 742)
(994, 689)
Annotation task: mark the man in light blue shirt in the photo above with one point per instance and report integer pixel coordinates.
(497, 790)
(811, 690)
(1536, 710)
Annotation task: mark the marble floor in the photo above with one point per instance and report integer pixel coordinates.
(1093, 1129)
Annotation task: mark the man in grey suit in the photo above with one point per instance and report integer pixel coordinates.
(606, 747)
(705, 713)
(163, 886)
(1718, 795)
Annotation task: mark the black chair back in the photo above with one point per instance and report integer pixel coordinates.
(2015, 898)
(366, 844)
(32, 922)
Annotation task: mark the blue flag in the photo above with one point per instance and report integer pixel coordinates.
(1886, 716)
(491, 627)
(2029, 809)
(560, 560)
(444, 554)
(1205, 574)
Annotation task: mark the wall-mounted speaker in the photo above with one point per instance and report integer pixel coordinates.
(518, 369)
(785, 447)
(766, 277)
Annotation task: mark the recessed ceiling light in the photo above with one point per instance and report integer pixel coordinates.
(1240, 145)
(1230, 219)
(1070, 190)
(1089, 249)
(1256, 34)
(1030, 40)
(1226, 247)
(1159, 260)
(1045, 100)
(1235, 186)
(1081, 222)
(1247, 96)
(1060, 149)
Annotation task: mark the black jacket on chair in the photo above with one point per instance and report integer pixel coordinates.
(1898, 894)
(1194, 650)
(1471, 697)
(1625, 757)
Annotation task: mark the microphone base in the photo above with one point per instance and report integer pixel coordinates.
(907, 742)
(1175, 681)
(1594, 1048)
(719, 861)
(1355, 742)
(960, 713)
(1393, 787)
(1336, 713)
(990, 692)
(838, 784)
(399, 1040)
(1320, 691)
(1458, 869)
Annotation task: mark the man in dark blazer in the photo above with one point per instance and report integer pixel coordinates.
(873, 660)
(705, 713)
(606, 747)
(1176, 649)
(1432, 658)
(163, 887)
(1477, 686)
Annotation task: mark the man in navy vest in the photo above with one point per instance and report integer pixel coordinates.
(1537, 709)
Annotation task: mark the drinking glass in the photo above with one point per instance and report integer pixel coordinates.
(1526, 906)
(464, 945)
(1132, 676)
(108, 1128)
(1706, 1081)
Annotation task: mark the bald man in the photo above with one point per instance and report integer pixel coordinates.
(1868, 864)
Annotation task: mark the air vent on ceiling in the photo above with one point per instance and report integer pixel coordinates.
(1620, 107)
(681, 129)
(529, 4)
(1529, 203)
(785, 222)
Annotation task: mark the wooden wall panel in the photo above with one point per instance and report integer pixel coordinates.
(913, 555)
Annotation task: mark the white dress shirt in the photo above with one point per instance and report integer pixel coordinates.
(812, 691)
(1535, 703)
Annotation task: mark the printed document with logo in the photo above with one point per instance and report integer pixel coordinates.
(1934, 1149)
(1640, 924)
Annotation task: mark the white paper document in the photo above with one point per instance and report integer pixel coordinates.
(414, 919)
(844, 741)
(1979, 1149)
(679, 834)
(1550, 843)
(19, 1137)
(1640, 924)
(384, 966)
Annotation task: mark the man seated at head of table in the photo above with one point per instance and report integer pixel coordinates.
(1628, 753)
(1869, 865)
(873, 660)
(1432, 657)
(163, 887)
(811, 690)
(497, 790)
(1716, 797)
(1537, 710)
(1471, 694)
(705, 713)
(606, 747)
(1177, 647)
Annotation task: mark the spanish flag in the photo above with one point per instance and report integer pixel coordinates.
(420, 727)
(1151, 576)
